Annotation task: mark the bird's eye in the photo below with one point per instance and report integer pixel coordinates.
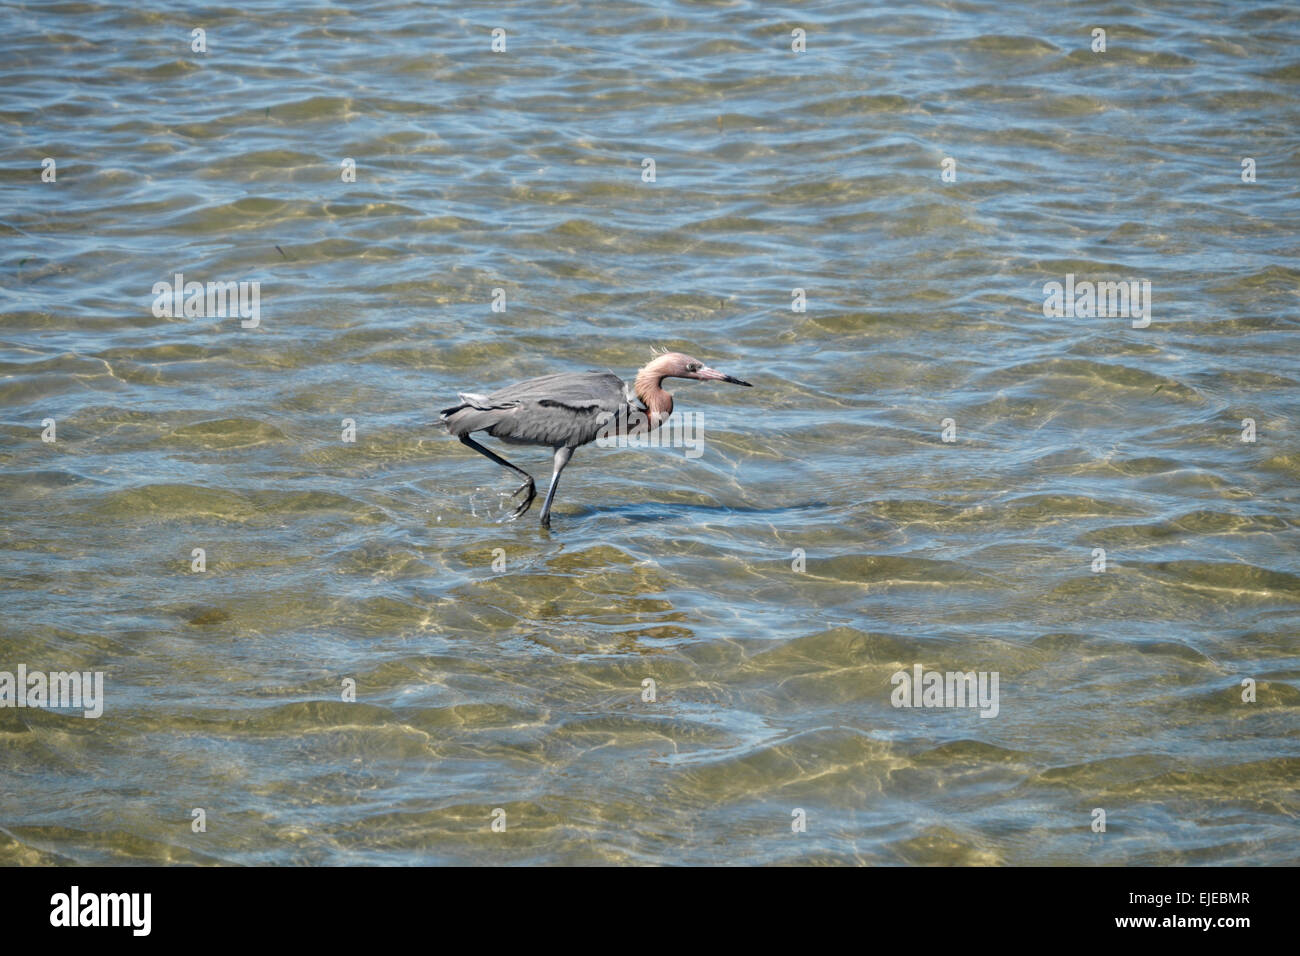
(693, 367)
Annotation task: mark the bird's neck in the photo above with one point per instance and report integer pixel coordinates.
(658, 403)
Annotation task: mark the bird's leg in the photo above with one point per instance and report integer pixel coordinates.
(529, 486)
(562, 456)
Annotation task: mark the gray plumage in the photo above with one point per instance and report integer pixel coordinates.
(565, 410)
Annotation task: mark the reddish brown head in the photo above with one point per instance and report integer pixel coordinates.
(649, 382)
(678, 365)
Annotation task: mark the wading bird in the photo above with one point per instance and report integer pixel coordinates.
(571, 409)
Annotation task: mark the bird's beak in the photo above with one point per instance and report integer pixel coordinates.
(707, 374)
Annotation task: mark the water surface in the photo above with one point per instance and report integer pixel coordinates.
(498, 666)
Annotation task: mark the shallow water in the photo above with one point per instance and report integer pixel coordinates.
(520, 687)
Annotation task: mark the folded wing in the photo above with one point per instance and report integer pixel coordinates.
(566, 409)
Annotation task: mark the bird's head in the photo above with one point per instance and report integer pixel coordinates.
(679, 365)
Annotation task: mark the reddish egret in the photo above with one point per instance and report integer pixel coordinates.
(571, 409)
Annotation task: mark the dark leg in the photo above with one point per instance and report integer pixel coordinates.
(528, 484)
(562, 456)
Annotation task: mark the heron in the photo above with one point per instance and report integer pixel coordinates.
(571, 409)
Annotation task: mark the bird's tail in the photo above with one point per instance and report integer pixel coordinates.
(474, 413)
(467, 400)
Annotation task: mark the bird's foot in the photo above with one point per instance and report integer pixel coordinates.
(531, 489)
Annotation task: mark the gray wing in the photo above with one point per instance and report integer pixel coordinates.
(568, 408)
